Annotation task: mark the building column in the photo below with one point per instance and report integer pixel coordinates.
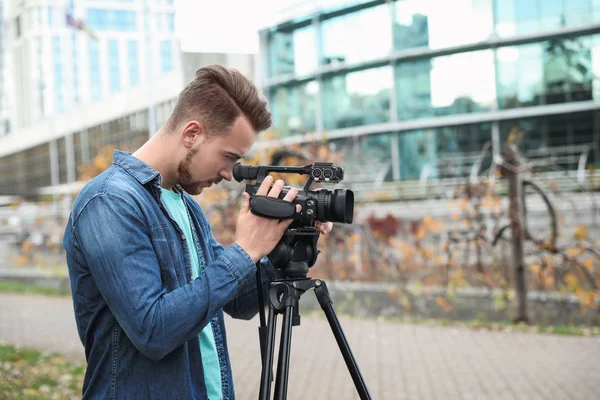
(54, 173)
(596, 139)
(496, 145)
(70, 151)
(85, 148)
(395, 156)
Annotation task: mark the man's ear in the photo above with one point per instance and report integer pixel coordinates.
(192, 133)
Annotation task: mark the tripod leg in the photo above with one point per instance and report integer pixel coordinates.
(327, 305)
(283, 365)
(267, 370)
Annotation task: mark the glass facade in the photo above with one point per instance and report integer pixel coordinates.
(111, 20)
(414, 65)
(26, 171)
(560, 138)
(113, 65)
(446, 152)
(521, 17)
(455, 84)
(292, 52)
(134, 67)
(294, 108)
(426, 23)
(357, 98)
(359, 36)
(555, 71)
(166, 56)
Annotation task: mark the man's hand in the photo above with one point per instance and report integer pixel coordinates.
(324, 227)
(258, 236)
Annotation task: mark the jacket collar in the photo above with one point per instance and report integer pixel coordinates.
(136, 167)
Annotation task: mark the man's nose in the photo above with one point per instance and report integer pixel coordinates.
(227, 175)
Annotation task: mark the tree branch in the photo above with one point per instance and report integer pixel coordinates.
(551, 211)
(499, 235)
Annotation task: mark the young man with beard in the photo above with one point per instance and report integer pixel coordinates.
(149, 281)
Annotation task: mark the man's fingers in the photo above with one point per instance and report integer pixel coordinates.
(245, 202)
(286, 222)
(291, 194)
(265, 186)
(276, 189)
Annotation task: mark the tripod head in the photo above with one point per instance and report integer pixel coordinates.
(296, 252)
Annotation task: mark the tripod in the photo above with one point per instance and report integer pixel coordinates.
(284, 298)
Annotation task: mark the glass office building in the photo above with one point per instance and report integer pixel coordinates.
(417, 88)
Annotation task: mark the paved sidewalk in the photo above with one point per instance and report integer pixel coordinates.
(398, 361)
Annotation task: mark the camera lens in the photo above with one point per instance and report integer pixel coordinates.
(342, 206)
(336, 206)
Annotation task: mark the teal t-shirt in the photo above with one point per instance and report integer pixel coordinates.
(210, 359)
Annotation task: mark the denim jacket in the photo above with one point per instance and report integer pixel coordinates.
(137, 309)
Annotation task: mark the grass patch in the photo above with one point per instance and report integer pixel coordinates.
(20, 287)
(30, 374)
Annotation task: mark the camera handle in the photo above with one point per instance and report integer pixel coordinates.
(272, 207)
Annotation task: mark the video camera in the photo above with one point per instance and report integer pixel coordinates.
(317, 205)
(297, 250)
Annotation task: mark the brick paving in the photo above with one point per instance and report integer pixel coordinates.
(398, 361)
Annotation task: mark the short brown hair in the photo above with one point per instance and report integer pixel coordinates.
(218, 96)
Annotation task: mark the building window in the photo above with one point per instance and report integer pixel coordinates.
(559, 139)
(557, 71)
(113, 65)
(447, 152)
(292, 52)
(166, 56)
(357, 98)
(75, 70)
(294, 108)
(95, 69)
(111, 20)
(50, 11)
(132, 53)
(518, 17)
(356, 37)
(171, 22)
(454, 84)
(58, 74)
(159, 21)
(427, 23)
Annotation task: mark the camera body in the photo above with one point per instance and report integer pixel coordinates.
(317, 205)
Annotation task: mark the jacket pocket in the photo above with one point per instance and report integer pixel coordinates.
(169, 257)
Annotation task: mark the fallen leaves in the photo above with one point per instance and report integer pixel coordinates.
(28, 373)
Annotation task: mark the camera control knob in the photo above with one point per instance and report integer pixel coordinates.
(310, 203)
(309, 211)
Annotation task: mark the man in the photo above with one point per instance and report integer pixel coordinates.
(149, 281)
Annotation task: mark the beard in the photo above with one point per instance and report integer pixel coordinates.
(185, 177)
